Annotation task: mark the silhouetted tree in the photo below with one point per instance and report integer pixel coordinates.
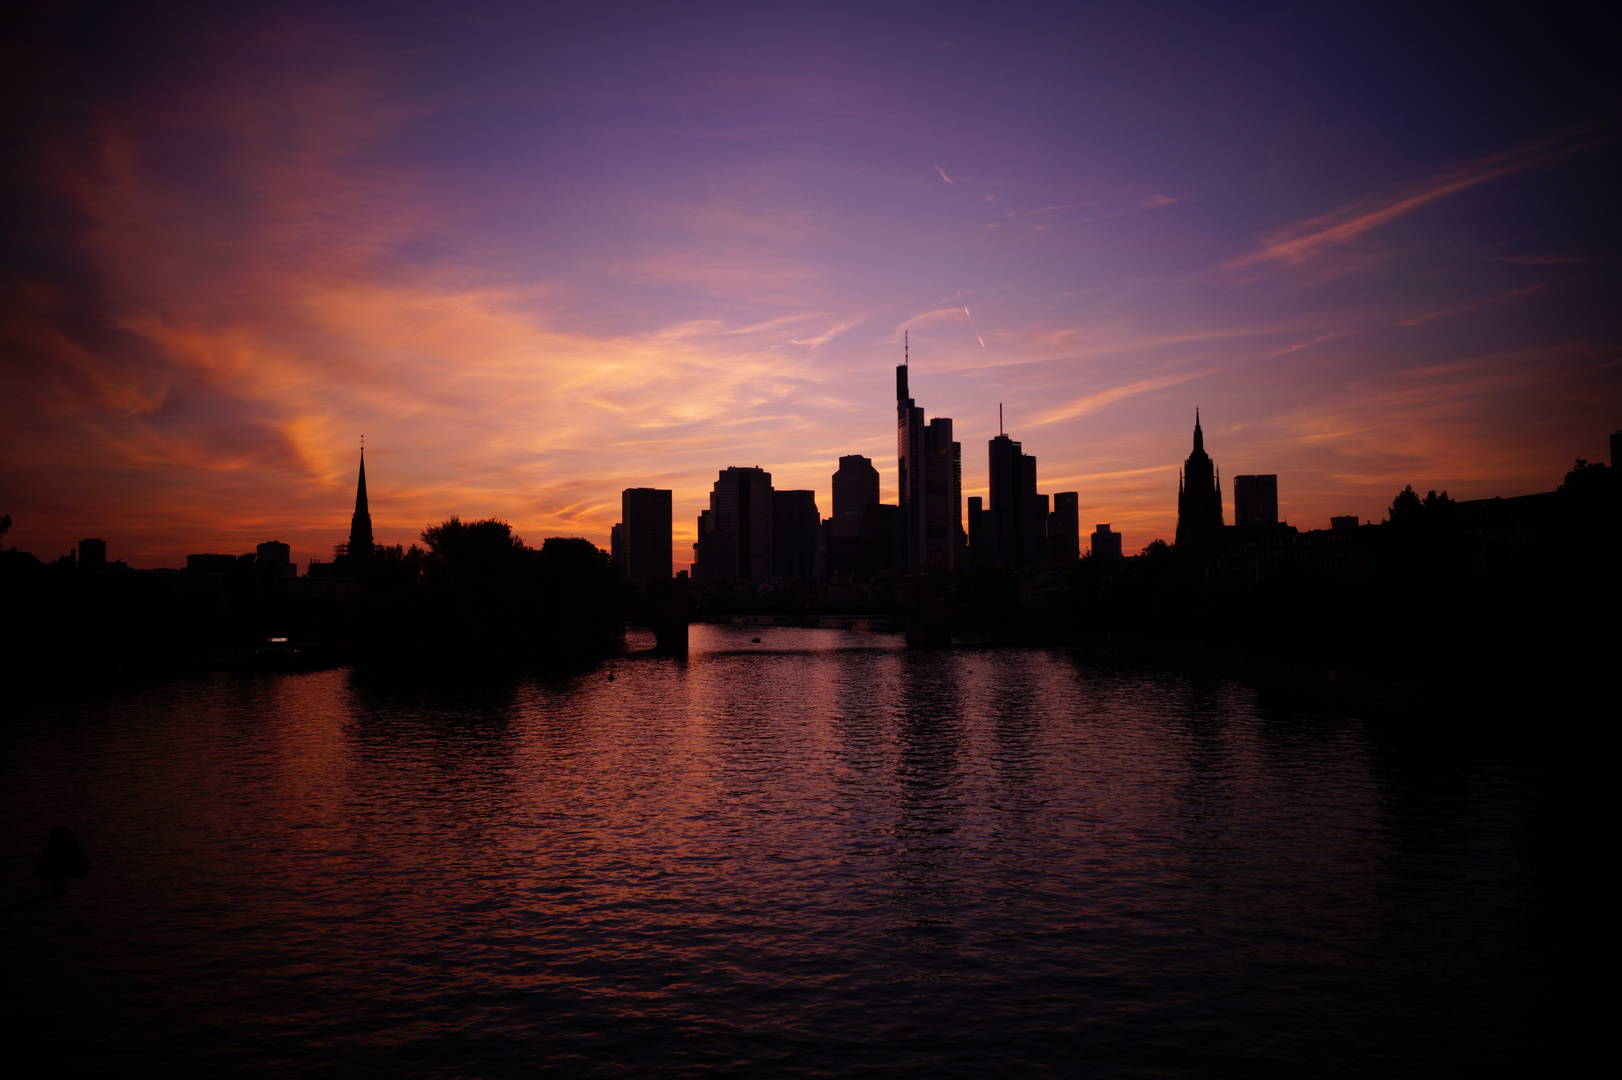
(475, 596)
(1409, 511)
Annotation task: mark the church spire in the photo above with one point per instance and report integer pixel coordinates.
(1199, 498)
(360, 526)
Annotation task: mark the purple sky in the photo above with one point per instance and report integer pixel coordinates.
(537, 257)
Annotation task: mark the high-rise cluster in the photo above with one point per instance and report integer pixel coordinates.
(752, 534)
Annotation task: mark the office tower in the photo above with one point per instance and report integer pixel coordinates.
(887, 551)
(943, 494)
(930, 481)
(646, 528)
(1021, 513)
(1106, 544)
(1064, 528)
(960, 537)
(856, 485)
(92, 554)
(849, 532)
(278, 556)
(1036, 527)
(735, 533)
(360, 526)
(1199, 497)
(794, 534)
(616, 549)
(982, 534)
(273, 553)
(1003, 456)
(1255, 500)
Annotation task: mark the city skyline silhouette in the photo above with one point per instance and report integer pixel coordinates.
(626, 255)
(820, 540)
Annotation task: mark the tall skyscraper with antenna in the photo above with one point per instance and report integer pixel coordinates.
(1019, 539)
(930, 475)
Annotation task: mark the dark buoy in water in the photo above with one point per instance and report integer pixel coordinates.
(610, 676)
(755, 640)
(62, 859)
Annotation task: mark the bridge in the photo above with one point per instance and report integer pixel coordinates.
(929, 624)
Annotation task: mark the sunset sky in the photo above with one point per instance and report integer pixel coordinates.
(537, 254)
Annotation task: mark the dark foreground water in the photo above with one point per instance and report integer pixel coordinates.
(818, 855)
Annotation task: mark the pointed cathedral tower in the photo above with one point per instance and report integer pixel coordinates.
(360, 526)
(1199, 498)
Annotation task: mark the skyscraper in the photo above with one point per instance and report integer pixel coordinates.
(1199, 498)
(930, 481)
(1003, 456)
(1020, 512)
(735, 533)
(92, 554)
(794, 534)
(856, 485)
(276, 555)
(1255, 500)
(982, 534)
(1064, 528)
(1106, 544)
(646, 525)
(360, 525)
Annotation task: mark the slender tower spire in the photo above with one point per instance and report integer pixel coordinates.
(1199, 499)
(360, 526)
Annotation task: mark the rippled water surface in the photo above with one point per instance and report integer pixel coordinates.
(815, 855)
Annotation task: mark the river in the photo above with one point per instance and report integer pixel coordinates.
(815, 855)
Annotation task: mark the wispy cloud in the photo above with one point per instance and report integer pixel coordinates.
(1304, 240)
(1333, 335)
(827, 335)
(1505, 296)
(1103, 399)
(942, 171)
(1146, 202)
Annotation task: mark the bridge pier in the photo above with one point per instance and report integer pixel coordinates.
(666, 614)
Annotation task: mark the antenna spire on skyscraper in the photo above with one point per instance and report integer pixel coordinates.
(906, 347)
